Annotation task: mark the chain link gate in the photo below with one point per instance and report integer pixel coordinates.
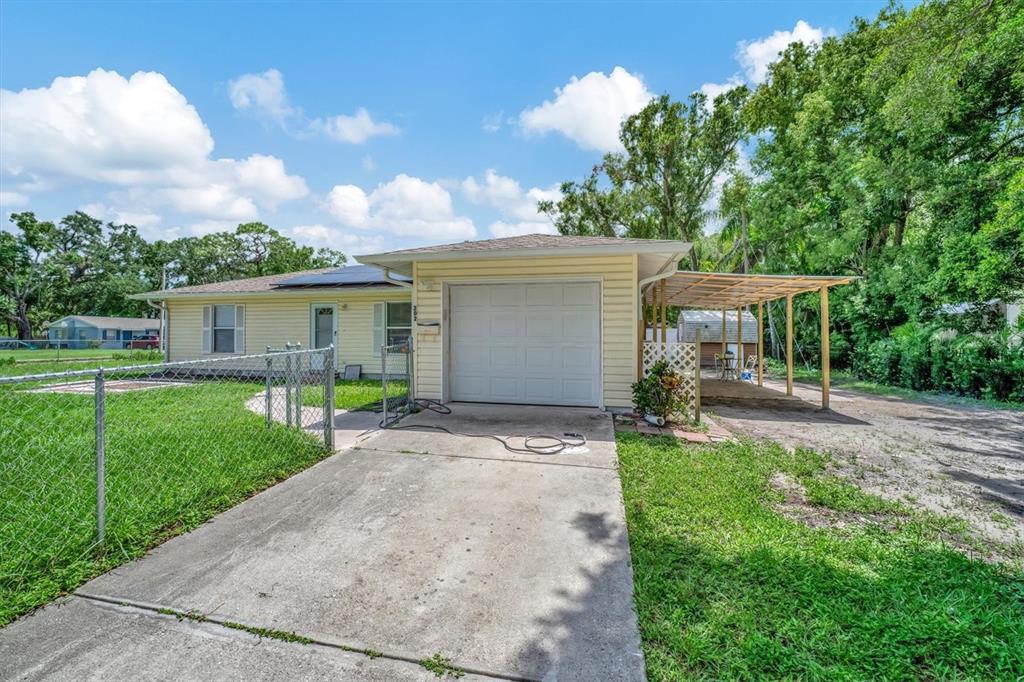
(103, 459)
(396, 381)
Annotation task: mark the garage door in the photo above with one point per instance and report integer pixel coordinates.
(526, 343)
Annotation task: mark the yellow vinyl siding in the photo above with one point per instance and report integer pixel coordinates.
(618, 276)
(273, 320)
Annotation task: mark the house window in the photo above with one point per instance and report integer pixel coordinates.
(399, 323)
(224, 328)
(392, 324)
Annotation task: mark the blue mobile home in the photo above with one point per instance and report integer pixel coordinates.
(88, 331)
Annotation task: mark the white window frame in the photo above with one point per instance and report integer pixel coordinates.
(209, 329)
(381, 330)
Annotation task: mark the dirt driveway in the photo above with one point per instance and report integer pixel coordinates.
(960, 460)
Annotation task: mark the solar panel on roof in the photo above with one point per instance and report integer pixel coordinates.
(344, 276)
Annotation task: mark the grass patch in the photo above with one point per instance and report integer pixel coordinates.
(727, 586)
(441, 666)
(115, 358)
(174, 458)
(353, 394)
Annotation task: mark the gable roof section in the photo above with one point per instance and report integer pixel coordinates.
(530, 246)
(361, 276)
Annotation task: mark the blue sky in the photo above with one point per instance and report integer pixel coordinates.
(363, 127)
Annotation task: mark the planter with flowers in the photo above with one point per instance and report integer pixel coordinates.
(660, 395)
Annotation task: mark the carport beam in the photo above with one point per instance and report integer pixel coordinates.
(789, 344)
(825, 351)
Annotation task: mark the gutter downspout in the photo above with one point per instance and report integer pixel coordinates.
(163, 327)
(388, 278)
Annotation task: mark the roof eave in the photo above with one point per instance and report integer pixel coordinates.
(396, 260)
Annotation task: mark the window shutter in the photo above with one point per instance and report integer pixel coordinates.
(378, 328)
(207, 328)
(240, 329)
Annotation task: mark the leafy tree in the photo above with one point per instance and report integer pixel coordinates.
(80, 266)
(657, 187)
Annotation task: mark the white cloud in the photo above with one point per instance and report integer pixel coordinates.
(13, 199)
(349, 205)
(492, 123)
(713, 90)
(354, 129)
(334, 238)
(406, 206)
(211, 226)
(263, 94)
(502, 229)
(142, 219)
(755, 56)
(138, 133)
(590, 110)
(518, 208)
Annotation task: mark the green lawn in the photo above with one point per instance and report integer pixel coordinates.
(729, 587)
(46, 354)
(20, 363)
(174, 458)
(357, 394)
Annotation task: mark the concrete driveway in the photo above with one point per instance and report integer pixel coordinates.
(413, 543)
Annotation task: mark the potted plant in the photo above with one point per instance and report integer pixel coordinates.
(659, 395)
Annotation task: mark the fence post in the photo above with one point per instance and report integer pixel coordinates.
(270, 370)
(329, 397)
(384, 381)
(288, 389)
(696, 379)
(299, 360)
(101, 457)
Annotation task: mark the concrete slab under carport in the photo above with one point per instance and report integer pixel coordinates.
(516, 566)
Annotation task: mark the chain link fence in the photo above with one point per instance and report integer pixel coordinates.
(96, 465)
(396, 381)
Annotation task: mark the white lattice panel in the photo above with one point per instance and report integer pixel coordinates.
(683, 359)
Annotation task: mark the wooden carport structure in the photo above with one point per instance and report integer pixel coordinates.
(733, 291)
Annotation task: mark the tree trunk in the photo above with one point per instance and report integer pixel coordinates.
(694, 265)
(22, 322)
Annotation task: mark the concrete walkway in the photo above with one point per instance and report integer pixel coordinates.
(413, 543)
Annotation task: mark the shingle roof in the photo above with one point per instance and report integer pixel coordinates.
(526, 241)
(255, 285)
(131, 323)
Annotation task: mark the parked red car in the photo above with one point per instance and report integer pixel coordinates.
(145, 342)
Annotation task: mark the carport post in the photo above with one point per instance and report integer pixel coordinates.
(740, 362)
(696, 377)
(789, 344)
(825, 350)
(760, 343)
(101, 457)
(725, 365)
(664, 333)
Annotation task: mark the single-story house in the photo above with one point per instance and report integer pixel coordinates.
(88, 331)
(709, 322)
(535, 319)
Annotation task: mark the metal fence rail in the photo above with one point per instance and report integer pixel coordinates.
(102, 460)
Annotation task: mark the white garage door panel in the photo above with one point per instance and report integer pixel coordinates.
(526, 343)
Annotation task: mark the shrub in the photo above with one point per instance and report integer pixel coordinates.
(660, 393)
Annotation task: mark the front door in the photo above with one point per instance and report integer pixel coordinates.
(323, 331)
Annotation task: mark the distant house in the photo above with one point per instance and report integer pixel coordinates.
(89, 331)
(710, 324)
